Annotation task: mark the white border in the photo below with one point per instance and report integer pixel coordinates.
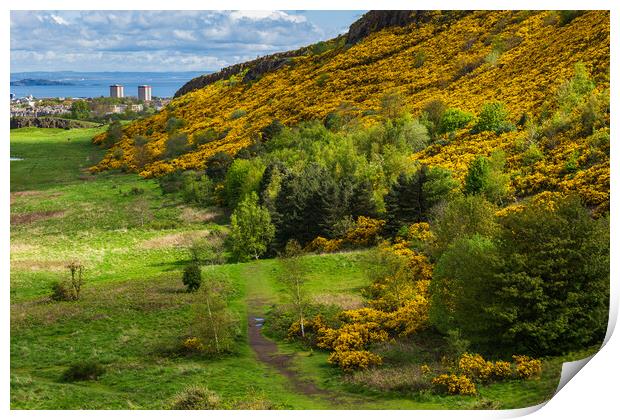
(592, 394)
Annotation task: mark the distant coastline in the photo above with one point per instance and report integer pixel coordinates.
(71, 84)
(40, 82)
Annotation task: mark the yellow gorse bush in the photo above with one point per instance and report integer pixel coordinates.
(193, 344)
(528, 368)
(456, 385)
(354, 359)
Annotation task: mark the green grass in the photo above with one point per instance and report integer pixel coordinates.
(133, 311)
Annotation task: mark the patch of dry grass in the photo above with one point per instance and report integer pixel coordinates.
(182, 239)
(407, 378)
(194, 215)
(38, 265)
(27, 218)
(342, 300)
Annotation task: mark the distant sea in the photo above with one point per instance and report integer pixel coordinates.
(95, 84)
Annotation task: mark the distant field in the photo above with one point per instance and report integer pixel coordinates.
(134, 308)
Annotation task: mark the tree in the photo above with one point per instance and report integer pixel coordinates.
(251, 229)
(113, 134)
(140, 210)
(293, 279)
(477, 176)
(462, 217)
(432, 114)
(217, 165)
(300, 208)
(212, 322)
(80, 110)
(192, 277)
(411, 198)
(453, 119)
(487, 177)
(243, 177)
(493, 117)
(539, 285)
(197, 188)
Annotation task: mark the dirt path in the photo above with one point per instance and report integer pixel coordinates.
(268, 353)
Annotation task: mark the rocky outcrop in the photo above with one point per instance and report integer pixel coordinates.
(255, 68)
(372, 21)
(48, 122)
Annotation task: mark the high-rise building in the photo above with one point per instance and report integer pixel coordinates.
(117, 91)
(144, 92)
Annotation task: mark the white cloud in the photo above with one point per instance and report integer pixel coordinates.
(118, 40)
(59, 20)
(266, 14)
(185, 35)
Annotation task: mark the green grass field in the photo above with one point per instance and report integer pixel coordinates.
(133, 309)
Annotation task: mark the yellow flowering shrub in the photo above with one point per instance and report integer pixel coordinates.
(455, 385)
(474, 366)
(502, 369)
(527, 367)
(365, 232)
(354, 359)
(324, 245)
(420, 232)
(350, 336)
(425, 369)
(193, 344)
(310, 325)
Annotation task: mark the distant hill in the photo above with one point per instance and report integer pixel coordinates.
(465, 59)
(40, 82)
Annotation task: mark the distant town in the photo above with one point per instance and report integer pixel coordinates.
(116, 104)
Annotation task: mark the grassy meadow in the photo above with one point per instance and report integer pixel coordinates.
(134, 310)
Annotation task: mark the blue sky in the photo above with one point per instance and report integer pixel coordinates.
(162, 40)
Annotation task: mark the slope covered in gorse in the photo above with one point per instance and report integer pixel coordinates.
(522, 59)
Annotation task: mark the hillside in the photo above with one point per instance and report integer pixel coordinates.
(463, 59)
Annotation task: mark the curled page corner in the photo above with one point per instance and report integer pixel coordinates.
(570, 369)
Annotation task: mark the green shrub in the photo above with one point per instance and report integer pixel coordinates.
(192, 277)
(217, 165)
(567, 16)
(271, 130)
(197, 188)
(493, 117)
(113, 134)
(532, 155)
(83, 371)
(419, 58)
(171, 182)
(69, 289)
(322, 79)
(238, 113)
(176, 145)
(61, 291)
(205, 136)
(136, 191)
(196, 397)
(140, 140)
(173, 124)
(454, 119)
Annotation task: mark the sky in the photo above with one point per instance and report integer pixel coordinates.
(108, 40)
